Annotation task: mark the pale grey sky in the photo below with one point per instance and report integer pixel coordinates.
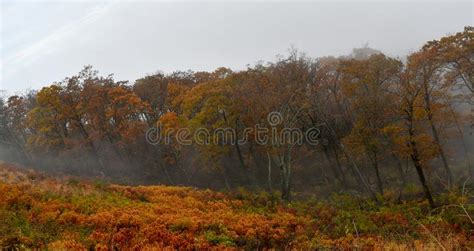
(45, 41)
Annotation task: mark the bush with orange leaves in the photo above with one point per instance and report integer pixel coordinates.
(41, 212)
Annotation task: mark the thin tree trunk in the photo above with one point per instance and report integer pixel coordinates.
(436, 136)
(339, 167)
(419, 170)
(359, 174)
(441, 152)
(236, 143)
(377, 173)
(284, 163)
(269, 177)
(354, 165)
(461, 134)
(253, 171)
(226, 181)
(286, 183)
(333, 169)
(237, 148)
(415, 156)
(402, 177)
(239, 154)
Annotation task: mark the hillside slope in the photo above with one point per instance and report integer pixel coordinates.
(37, 211)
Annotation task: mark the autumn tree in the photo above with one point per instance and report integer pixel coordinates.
(280, 91)
(426, 68)
(366, 84)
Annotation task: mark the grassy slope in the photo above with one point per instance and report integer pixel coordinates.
(37, 211)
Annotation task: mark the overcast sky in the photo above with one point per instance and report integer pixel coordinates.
(45, 41)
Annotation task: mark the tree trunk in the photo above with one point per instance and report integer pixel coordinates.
(269, 177)
(379, 180)
(436, 135)
(415, 156)
(359, 175)
(333, 168)
(237, 146)
(377, 173)
(419, 170)
(339, 167)
(402, 176)
(461, 135)
(441, 152)
(239, 154)
(286, 182)
(284, 163)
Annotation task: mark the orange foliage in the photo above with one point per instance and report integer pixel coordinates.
(78, 216)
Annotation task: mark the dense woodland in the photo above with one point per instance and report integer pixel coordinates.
(387, 125)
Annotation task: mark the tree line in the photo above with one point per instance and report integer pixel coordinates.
(385, 124)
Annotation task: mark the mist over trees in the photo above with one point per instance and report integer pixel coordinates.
(384, 125)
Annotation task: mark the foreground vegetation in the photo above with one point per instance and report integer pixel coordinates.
(37, 211)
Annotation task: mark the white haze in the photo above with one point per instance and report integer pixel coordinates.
(44, 41)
